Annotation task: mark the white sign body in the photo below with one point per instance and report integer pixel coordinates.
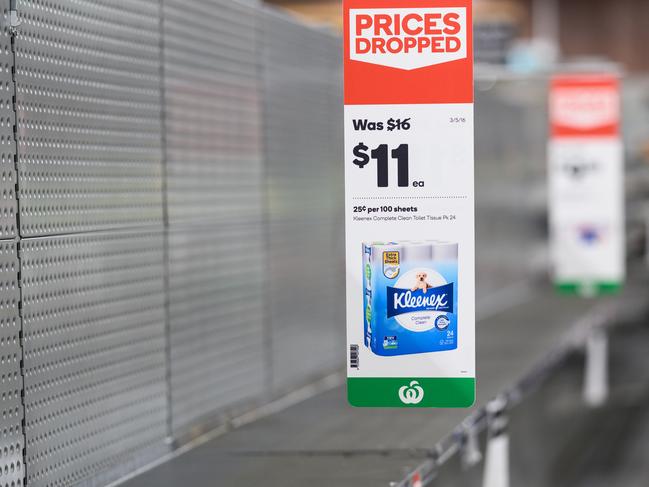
(409, 176)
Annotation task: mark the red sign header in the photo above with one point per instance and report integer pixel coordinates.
(585, 105)
(408, 52)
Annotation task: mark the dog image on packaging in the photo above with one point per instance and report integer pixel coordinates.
(421, 284)
(410, 297)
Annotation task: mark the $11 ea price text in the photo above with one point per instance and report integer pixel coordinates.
(383, 154)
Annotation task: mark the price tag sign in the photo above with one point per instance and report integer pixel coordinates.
(409, 177)
(586, 181)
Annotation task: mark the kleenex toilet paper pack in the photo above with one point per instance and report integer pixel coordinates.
(410, 297)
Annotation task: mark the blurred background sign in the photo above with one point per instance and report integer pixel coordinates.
(586, 171)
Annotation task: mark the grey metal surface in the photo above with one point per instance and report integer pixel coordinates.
(8, 202)
(212, 112)
(12, 440)
(216, 321)
(12, 469)
(324, 442)
(88, 109)
(94, 354)
(557, 440)
(511, 232)
(303, 145)
(215, 197)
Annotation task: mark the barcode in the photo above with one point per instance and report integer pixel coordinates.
(353, 356)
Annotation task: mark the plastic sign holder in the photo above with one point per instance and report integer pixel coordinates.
(409, 173)
(471, 454)
(596, 383)
(586, 184)
(496, 468)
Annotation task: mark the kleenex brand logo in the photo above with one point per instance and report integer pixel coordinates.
(401, 301)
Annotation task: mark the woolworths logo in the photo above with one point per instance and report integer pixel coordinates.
(412, 394)
(402, 392)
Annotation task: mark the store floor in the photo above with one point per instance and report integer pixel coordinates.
(322, 442)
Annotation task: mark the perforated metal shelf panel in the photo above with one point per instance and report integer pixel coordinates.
(302, 117)
(89, 115)
(216, 312)
(12, 470)
(8, 203)
(215, 207)
(213, 119)
(94, 347)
